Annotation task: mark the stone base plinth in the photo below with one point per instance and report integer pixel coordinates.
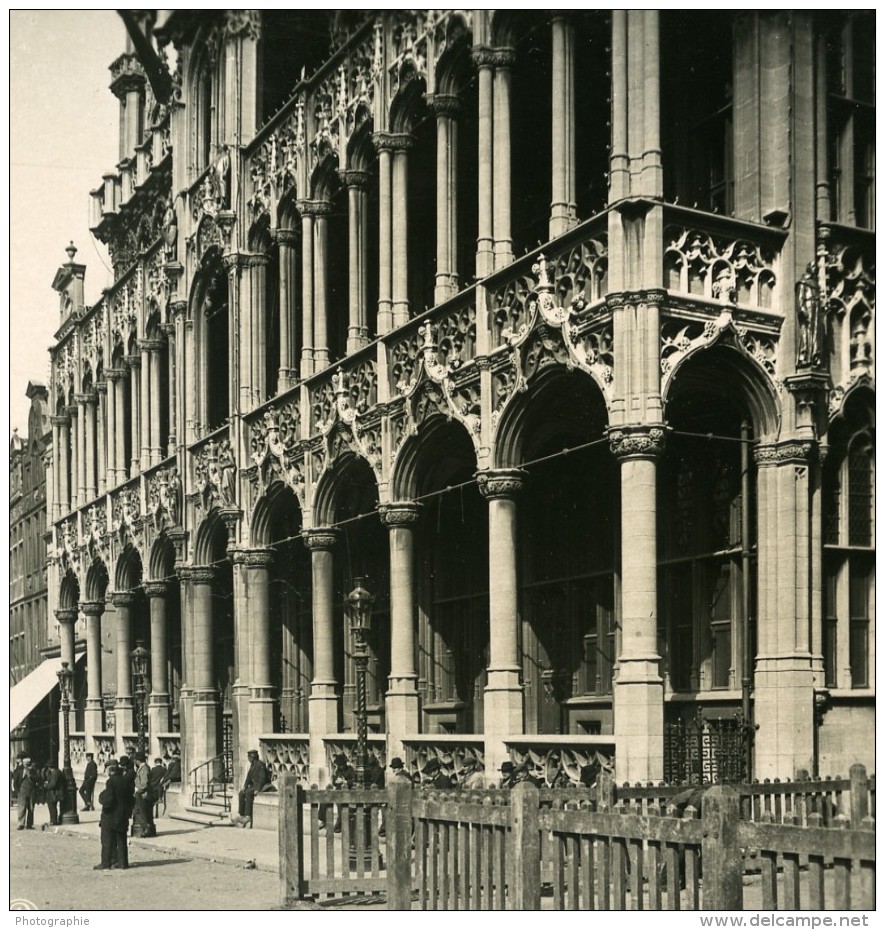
(783, 710)
(402, 715)
(323, 722)
(639, 721)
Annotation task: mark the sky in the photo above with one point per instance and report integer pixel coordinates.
(63, 125)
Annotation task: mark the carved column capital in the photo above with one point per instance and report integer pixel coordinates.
(115, 374)
(177, 307)
(92, 608)
(358, 179)
(320, 538)
(314, 207)
(197, 574)
(60, 420)
(448, 105)
(71, 412)
(501, 483)
(123, 598)
(133, 361)
(66, 615)
(156, 588)
(796, 452)
(636, 441)
(253, 558)
(400, 513)
(393, 141)
(83, 398)
(288, 237)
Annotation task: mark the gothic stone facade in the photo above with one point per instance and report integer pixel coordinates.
(558, 328)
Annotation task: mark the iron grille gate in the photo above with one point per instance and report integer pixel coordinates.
(713, 751)
(227, 749)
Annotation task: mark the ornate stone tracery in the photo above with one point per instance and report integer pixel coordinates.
(215, 475)
(164, 498)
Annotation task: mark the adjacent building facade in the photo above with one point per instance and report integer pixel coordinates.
(32, 627)
(556, 327)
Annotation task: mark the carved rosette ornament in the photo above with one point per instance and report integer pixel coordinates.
(502, 483)
(320, 538)
(636, 441)
(400, 513)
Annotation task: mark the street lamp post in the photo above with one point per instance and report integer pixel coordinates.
(359, 604)
(66, 687)
(140, 657)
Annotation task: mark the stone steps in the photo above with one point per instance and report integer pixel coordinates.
(210, 813)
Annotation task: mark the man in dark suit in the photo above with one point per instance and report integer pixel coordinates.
(434, 776)
(127, 774)
(53, 791)
(115, 808)
(256, 779)
(27, 796)
(87, 786)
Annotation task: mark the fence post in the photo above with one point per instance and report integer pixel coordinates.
(525, 849)
(399, 846)
(720, 851)
(860, 797)
(291, 838)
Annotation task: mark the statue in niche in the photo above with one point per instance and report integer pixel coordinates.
(808, 319)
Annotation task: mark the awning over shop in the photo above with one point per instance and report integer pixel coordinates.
(28, 693)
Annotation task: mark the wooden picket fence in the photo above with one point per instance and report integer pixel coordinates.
(564, 849)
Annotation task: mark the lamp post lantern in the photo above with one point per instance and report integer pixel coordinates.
(66, 687)
(359, 605)
(140, 657)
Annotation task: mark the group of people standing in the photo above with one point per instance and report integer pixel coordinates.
(32, 785)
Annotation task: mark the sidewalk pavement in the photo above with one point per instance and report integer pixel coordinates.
(227, 844)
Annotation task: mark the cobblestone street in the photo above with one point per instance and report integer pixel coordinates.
(54, 871)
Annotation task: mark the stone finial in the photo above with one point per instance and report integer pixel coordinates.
(71, 251)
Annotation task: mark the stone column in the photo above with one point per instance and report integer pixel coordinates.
(74, 480)
(503, 707)
(172, 415)
(323, 702)
(261, 701)
(485, 243)
(61, 429)
(504, 59)
(619, 180)
(652, 171)
(639, 690)
(320, 280)
(288, 373)
(123, 707)
(307, 365)
(111, 433)
(385, 233)
(82, 414)
(67, 618)
(358, 229)
(91, 486)
(117, 437)
(94, 707)
(446, 284)
(101, 447)
(563, 209)
(134, 363)
(402, 710)
(145, 403)
(401, 144)
(157, 450)
(255, 266)
(205, 717)
(783, 682)
(159, 707)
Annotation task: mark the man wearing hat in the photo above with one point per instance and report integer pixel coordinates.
(114, 801)
(508, 774)
(87, 787)
(399, 770)
(256, 779)
(433, 775)
(127, 774)
(143, 820)
(471, 774)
